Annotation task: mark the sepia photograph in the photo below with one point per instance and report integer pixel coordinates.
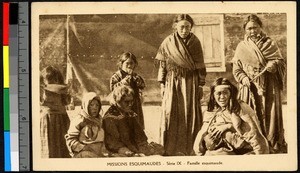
(160, 86)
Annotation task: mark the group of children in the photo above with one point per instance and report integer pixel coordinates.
(117, 133)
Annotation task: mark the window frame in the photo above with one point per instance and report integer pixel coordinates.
(220, 23)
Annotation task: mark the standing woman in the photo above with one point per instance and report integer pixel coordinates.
(54, 120)
(259, 68)
(126, 76)
(181, 75)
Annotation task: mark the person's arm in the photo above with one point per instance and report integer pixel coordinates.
(218, 130)
(116, 81)
(162, 72)
(72, 137)
(200, 64)
(140, 83)
(202, 76)
(139, 134)
(198, 147)
(125, 137)
(161, 77)
(112, 137)
(239, 74)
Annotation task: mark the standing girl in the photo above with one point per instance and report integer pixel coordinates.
(126, 76)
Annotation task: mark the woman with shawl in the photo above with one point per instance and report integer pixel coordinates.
(181, 75)
(230, 126)
(259, 68)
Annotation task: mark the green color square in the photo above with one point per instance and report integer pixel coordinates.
(6, 109)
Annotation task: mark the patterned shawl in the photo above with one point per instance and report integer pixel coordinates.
(259, 53)
(187, 55)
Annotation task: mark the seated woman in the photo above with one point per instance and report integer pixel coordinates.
(230, 126)
(123, 134)
(85, 135)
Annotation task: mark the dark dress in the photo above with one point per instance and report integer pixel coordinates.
(264, 94)
(54, 124)
(182, 71)
(123, 133)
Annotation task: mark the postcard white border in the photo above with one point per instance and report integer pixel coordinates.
(233, 163)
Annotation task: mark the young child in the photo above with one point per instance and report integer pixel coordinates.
(126, 76)
(85, 135)
(124, 136)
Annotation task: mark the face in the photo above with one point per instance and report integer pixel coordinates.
(253, 30)
(94, 108)
(183, 28)
(126, 103)
(128, 66)
(222, 95)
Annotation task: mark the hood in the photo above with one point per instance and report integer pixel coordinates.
(86, 99)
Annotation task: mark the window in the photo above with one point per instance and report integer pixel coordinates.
(209, 29)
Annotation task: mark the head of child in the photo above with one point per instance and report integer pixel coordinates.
(223, 94)
(127, 62)
(183, 24)
(91, 103)
(122, 97)
(52, 87)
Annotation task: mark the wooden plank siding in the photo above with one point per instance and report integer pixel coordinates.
(209, 30)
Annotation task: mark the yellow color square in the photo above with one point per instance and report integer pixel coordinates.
(6, 66)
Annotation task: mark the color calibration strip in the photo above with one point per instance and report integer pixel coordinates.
(7, 155)
(13, 85)
(10, 86)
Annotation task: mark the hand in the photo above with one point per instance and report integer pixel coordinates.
(139, 81)
(218, 130)
(271, 66)
(129, 71)
(246, 81)
(127, 80)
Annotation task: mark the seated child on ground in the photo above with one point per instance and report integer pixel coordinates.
(85, 135)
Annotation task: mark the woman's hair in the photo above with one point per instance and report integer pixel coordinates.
(181, 17)
(120, 93)
(233, 104)
(253, 18)
(124, 57)
(51, 75)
